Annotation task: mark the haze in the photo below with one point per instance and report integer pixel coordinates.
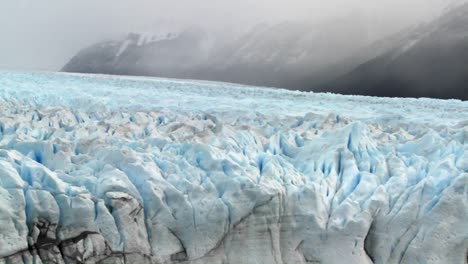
(44, 35)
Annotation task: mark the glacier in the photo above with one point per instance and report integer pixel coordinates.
(107, 169)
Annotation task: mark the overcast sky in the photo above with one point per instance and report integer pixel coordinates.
(44, 34)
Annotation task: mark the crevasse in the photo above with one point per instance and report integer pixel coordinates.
(103, 169)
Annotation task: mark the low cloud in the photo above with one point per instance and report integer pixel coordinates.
(43, 35)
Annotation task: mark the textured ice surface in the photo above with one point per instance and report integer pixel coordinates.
(102, 169)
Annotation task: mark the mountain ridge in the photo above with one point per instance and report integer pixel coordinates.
(415, 62)
(430, 60)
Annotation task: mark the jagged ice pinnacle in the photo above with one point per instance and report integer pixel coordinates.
(101, 169)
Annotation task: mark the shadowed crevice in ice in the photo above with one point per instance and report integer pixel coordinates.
(161, 180)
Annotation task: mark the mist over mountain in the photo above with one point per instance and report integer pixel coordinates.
(340, 56)
(430, 60)
(45, 37)
(170, 54)
(280, 55)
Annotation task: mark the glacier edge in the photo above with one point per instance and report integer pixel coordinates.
(103, 176)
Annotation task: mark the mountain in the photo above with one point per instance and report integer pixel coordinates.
(430, 61)
(169, 54)
(285, 54)
(112, 169)
(279, 55)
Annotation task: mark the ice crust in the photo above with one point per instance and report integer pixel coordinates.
(105, 169)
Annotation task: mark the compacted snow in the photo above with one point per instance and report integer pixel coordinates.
(101, 169)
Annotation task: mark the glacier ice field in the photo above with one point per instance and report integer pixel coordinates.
(106, 169)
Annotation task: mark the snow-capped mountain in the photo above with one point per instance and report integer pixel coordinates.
(170, 54)
(338, 56)
(109, 169)
(280, 55)
(430, 60)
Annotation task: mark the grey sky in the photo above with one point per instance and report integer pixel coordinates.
(44, 34)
